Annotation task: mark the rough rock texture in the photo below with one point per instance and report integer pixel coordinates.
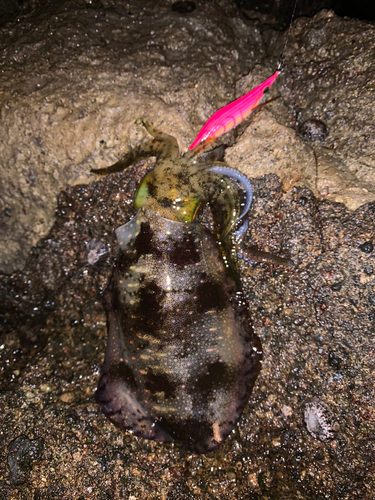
(316, 322)
(329, 76)
(70, 96)
(76, 77)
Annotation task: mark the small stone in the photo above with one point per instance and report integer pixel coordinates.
(334, 360)
(67, 397)
(22, 454)
(313, 130)
(336, 287)
(366, 247)
(287, 411)
(46, 388)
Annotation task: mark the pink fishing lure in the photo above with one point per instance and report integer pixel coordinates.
(233, 114)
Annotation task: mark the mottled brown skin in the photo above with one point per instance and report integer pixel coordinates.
(182, 357)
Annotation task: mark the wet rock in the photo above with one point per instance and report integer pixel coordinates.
(366, 247)
(53, 332)
(168, 65)
(313, 130)
(336, 287)
(316, 341)
(325, 87)
(75, 80)
(269, 147)
(329, 76)
(22, 453)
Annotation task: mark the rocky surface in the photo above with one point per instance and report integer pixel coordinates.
(72, 103)
(76, 77)
(332, 79)
(327, 81)
(308, 429)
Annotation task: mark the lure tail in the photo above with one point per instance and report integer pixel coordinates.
(233, 114)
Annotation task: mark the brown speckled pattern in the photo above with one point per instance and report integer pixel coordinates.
(182, 357)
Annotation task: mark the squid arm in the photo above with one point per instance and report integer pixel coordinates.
(233, 113)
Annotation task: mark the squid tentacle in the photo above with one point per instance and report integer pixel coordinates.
(242, 179)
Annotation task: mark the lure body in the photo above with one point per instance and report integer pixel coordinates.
(233, 113)
(182, 356)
